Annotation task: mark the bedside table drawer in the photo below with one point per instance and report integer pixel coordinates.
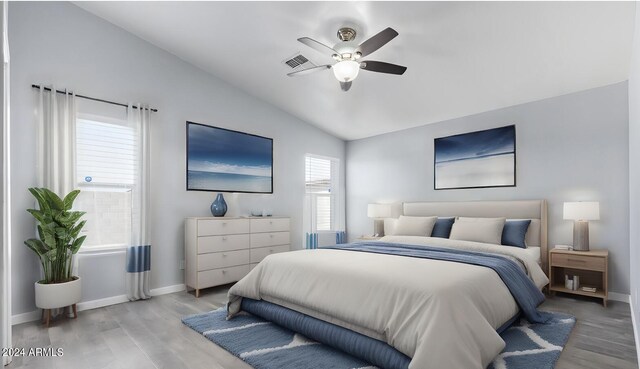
(579, 262)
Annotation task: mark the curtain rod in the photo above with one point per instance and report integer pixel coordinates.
(94, 98)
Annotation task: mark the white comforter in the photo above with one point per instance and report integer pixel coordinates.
(441, 314)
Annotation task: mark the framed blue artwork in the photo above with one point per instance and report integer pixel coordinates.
(223, 160)
(476, 159)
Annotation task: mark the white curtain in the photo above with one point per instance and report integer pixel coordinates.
(56, 146)
(5, 275)
(56, 141)
(139, 253)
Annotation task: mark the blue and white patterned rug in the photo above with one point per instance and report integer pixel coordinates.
(264, 345)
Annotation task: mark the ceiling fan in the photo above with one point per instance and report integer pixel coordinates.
(347, 55)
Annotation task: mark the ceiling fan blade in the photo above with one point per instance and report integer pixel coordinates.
(377, 41)
(382, 67)
(318, 46)
(345, 86)
(308, 70)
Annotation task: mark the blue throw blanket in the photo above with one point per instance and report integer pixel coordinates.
(524, 291)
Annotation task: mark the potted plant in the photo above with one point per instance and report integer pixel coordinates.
(57, 243)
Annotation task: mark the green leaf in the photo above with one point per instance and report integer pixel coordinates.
(69, 199)
(37, 246)
(54, 201)
(38, 193)
(76, 230)
(77, 243)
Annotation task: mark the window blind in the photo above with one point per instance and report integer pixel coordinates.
(321, 186)
(105, 153)
(318, 175)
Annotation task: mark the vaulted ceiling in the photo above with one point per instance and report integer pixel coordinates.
(462, 57)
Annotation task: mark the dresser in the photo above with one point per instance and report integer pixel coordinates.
(223, 250)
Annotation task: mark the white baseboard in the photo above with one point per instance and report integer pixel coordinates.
(168, 289)
(615, 296)
(94, 304)
(26, 317)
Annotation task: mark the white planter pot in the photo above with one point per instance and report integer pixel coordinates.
(51, 296)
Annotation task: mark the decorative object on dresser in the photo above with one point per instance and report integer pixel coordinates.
(581, 213)
(378, 212)
(219, 206)
(223, 250)
(476, 159)
(587, 272)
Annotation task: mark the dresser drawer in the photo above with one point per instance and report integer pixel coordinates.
(214, 227)
(216, 260)
(578, 262)
(216, 277)
(269, 225)
(223, 243)
(260, 253)
(269, 239)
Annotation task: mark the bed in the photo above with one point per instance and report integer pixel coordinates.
(438, 301)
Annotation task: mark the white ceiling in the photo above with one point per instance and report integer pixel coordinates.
(462, 57)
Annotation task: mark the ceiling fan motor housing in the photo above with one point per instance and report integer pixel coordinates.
(346, 34)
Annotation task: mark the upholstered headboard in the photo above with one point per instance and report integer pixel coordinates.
(536, 210)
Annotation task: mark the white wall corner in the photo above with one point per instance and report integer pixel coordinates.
(636, 337)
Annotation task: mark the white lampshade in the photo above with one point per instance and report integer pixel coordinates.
(583, 210)
(379, 211)
(346, 70)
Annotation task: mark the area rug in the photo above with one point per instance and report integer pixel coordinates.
(264, 345)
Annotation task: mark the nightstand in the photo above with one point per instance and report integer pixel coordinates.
(368, 238)
(591, 266)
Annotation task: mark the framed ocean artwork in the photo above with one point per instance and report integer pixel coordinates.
(223, 160)
(476, 159)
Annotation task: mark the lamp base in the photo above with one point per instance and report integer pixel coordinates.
(378, 227)
(581, 235)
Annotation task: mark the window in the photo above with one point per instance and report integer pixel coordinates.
(322, 185)
(106, 172)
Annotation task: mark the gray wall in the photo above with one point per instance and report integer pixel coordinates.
(62, 44)
(634, 168)
(569, 148)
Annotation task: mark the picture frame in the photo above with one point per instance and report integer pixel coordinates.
(478, 159)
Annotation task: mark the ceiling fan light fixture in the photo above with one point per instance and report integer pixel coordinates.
(346, 70)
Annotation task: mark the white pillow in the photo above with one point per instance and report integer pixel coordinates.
(485, 230)
(414, 226)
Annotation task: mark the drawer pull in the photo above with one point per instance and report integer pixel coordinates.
(224, 223)
(224, 271)
(577, 260)
(224, 255)
(224, 238)
(270, 251)
(271, 222)
(271, 235)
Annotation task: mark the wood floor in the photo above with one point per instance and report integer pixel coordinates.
(149, 334)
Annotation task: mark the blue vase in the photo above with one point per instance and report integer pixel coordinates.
(219, 206)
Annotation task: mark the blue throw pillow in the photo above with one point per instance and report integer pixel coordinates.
(514, 232)
(442, 228)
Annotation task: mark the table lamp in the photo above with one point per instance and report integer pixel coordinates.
(378, 212)
(581, 213)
